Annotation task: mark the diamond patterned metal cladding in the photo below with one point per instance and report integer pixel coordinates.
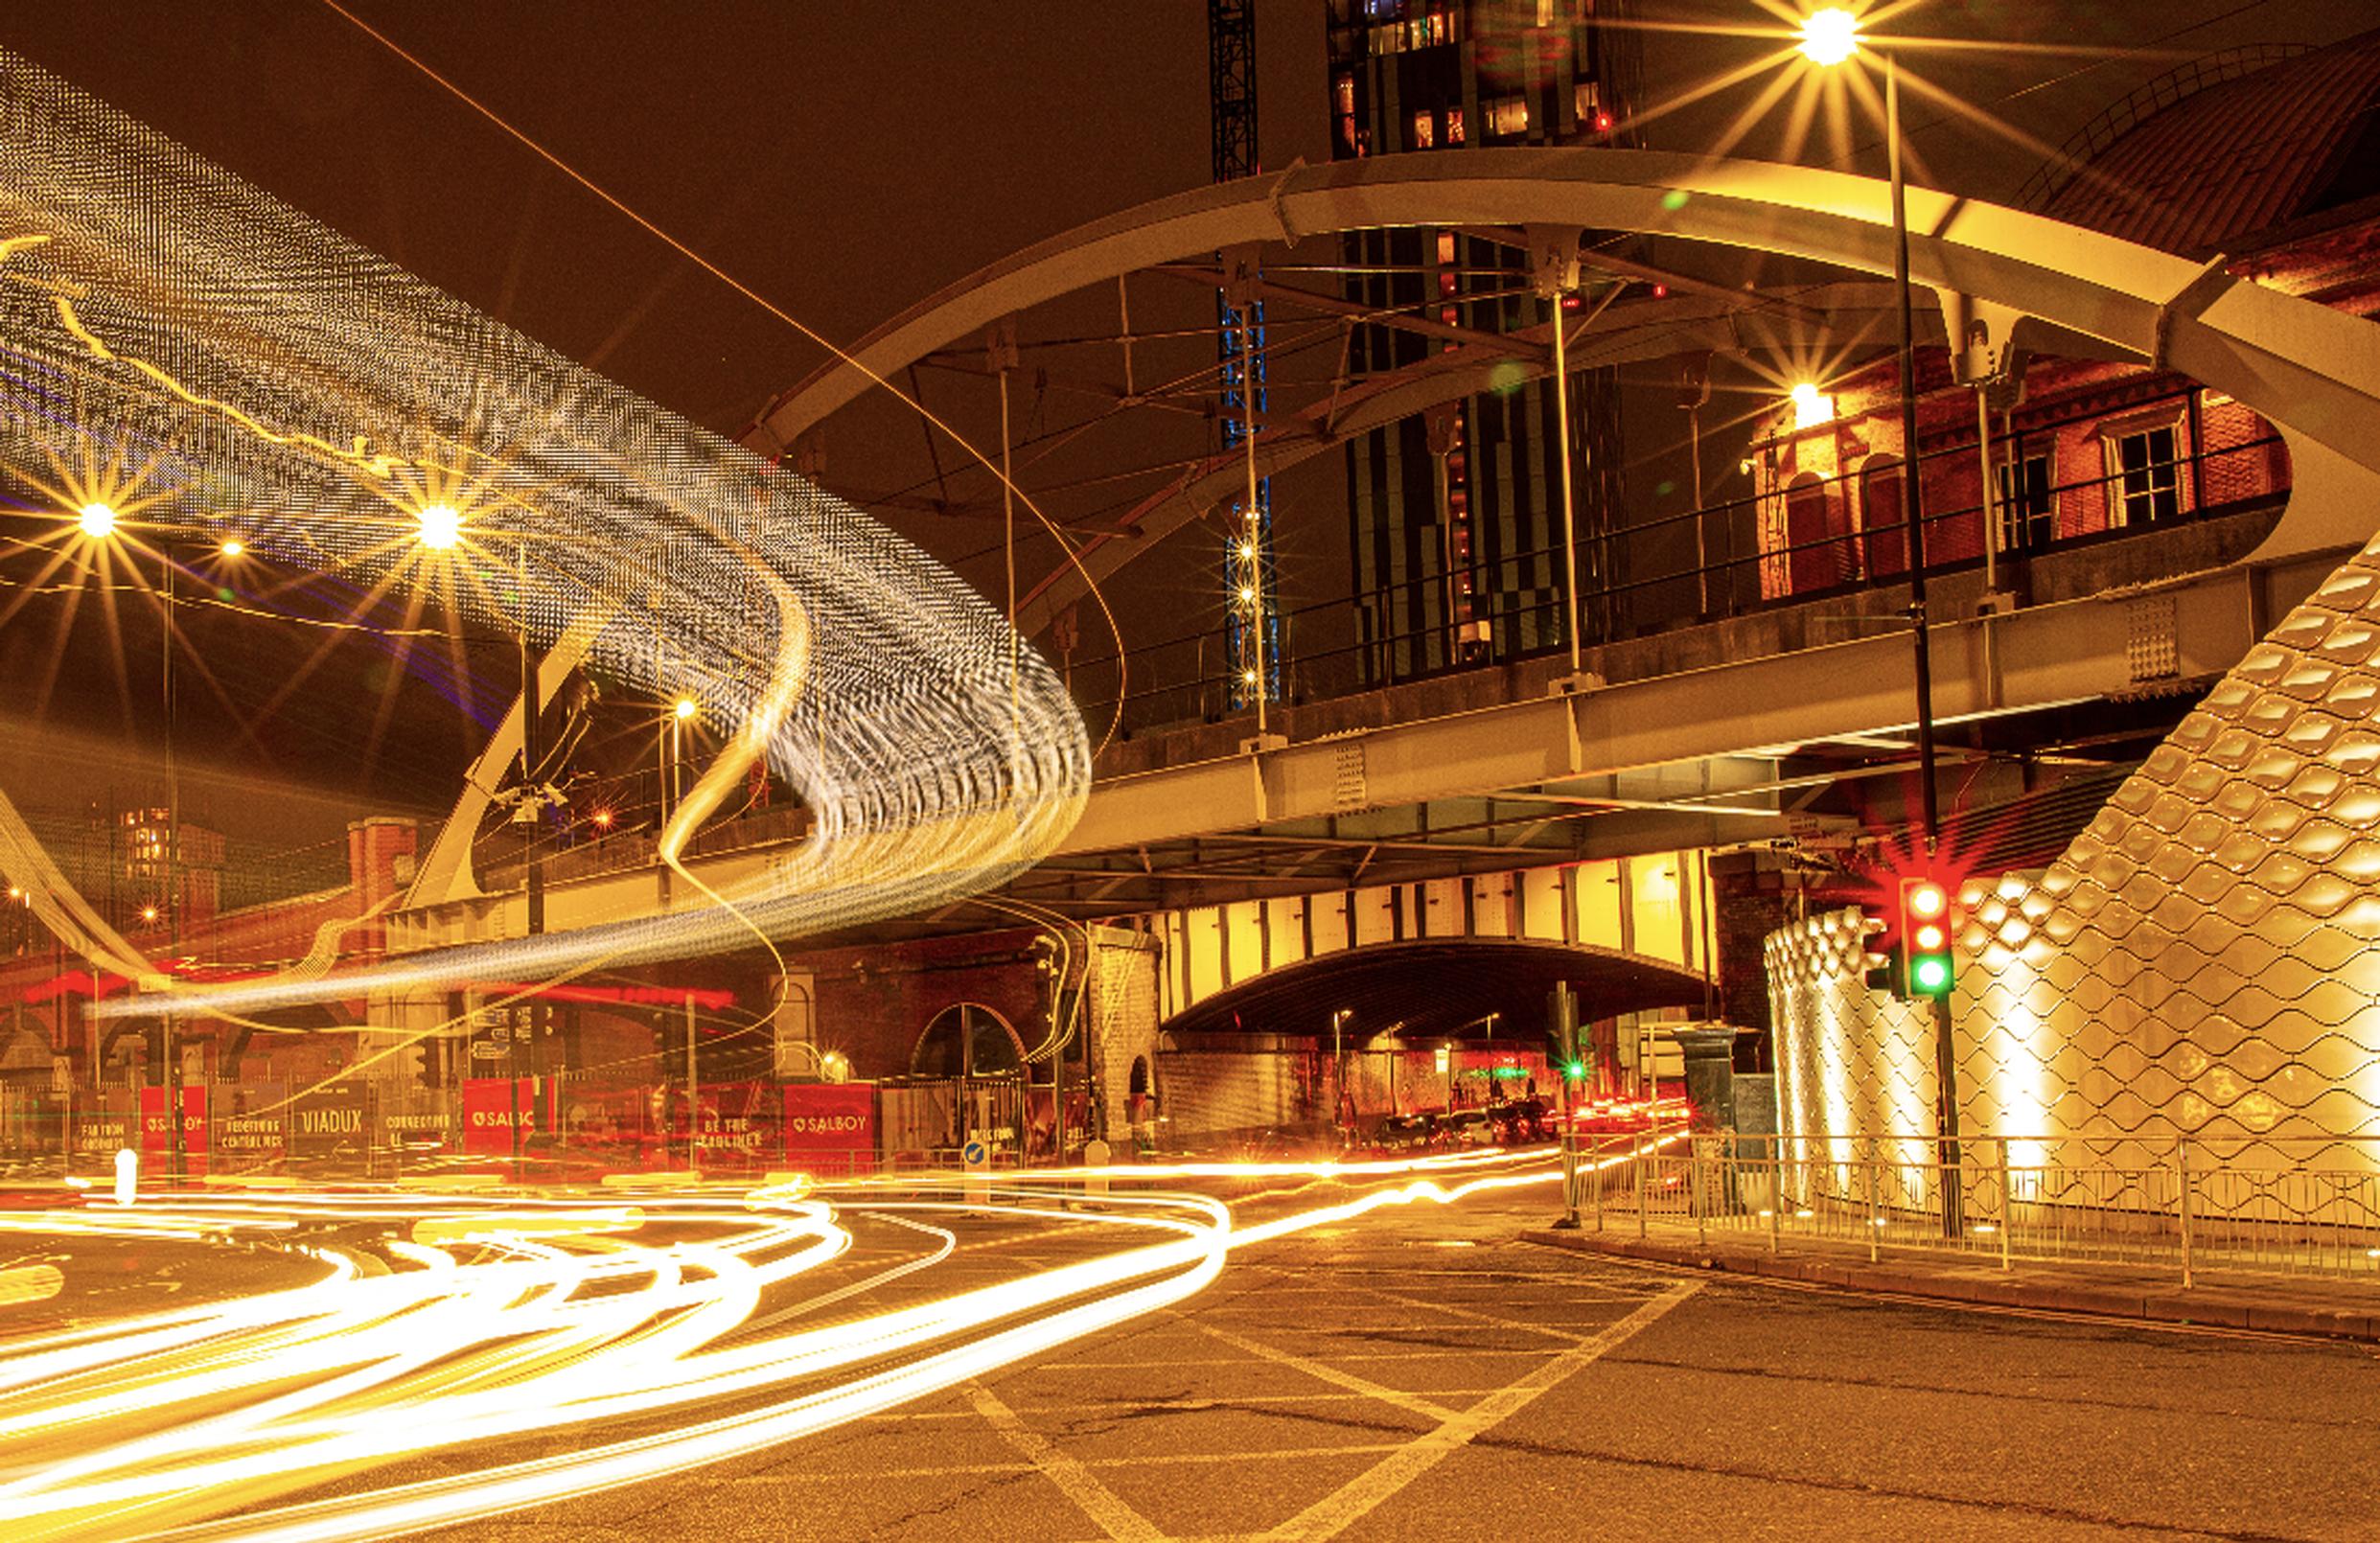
(1850, 1061)
(2204, 961)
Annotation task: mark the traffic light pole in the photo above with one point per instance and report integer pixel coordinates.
(1566, 1037)
(1944, 1059)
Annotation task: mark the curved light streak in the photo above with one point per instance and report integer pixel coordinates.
(264, 375)
(508, 1317)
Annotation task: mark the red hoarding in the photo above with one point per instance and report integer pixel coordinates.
(158, 1130)
(830, 1127)
(489, 1106)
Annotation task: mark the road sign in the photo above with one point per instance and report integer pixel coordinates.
(977, 1154)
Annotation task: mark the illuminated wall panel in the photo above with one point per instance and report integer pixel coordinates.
(2204, 961)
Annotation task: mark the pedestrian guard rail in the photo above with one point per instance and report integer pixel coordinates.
(2185, 1202)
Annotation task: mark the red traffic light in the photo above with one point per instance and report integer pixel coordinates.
(1925, 901)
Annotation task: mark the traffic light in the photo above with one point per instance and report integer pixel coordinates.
(1926, 938)
(1561, 1034)
(1883, 969)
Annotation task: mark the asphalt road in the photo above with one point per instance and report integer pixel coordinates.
(1420, 1375)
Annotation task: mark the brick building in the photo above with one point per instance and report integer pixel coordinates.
(2267, 161)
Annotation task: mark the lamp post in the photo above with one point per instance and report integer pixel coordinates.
(99, 521)
(1338, 1066)
(1829, 37)
(440, 529)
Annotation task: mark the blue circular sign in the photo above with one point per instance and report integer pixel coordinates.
(975, 1152)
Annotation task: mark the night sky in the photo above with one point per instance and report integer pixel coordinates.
(846, 157)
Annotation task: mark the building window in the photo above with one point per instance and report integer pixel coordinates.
(1424, 130)
(2144, 470)
(1819, 552)
(2028, 511)
(1507, 115)
(1454, 125)
(1883, 525)
(1343, 94)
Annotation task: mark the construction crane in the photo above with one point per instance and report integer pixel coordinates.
(1251, 597)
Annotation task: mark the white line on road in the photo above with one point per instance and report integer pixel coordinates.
(1350, 1502)
(1332, 1374)
(1138, 1460)
(1097, 1500)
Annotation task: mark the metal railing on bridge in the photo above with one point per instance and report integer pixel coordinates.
(1187, 677)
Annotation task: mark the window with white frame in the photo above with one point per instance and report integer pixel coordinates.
(1507, 115)
(2145, 473)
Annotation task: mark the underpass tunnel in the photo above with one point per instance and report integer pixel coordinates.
(1264, 1055)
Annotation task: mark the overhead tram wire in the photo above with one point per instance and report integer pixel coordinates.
(743, 289)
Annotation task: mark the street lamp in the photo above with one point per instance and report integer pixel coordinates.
(1829, 37)
(441, 526)
(97, 520)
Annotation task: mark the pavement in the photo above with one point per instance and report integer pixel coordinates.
(2270, 1304)
(1427, 1376)
(1440, 1375)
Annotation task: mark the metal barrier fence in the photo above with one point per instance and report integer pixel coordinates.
(2306, 1208)
(571, 1128)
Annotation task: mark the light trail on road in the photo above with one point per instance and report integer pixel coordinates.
(645, 1332)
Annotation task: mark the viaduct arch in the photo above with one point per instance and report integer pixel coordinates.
(2007, 279)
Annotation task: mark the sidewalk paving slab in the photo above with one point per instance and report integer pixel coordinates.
(2229, 1298)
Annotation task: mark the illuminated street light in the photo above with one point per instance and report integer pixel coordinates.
(686, 708)
(1810, 407)
(441, 526)
(97, 520)
(148, 914)
(1830, 36)
(233, 546)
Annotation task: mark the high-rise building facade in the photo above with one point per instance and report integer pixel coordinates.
(1456, 515)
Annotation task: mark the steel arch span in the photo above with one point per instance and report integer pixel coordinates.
(2313, 371)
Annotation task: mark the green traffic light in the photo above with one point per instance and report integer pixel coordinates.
(1574, 1070)
(1931, 973)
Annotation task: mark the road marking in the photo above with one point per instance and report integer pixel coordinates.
(1224, 1403)
(1352, 1501)
(1467, 1351)
(1149, 1460)
(1332, 1374)
(1096, 1499)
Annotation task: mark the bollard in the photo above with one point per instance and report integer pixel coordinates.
(2182, 1202)
(127, 1176)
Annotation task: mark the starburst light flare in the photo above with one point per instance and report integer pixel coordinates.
(272, 378)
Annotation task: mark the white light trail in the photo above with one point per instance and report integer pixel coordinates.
(506, 1318)
(242, 369)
